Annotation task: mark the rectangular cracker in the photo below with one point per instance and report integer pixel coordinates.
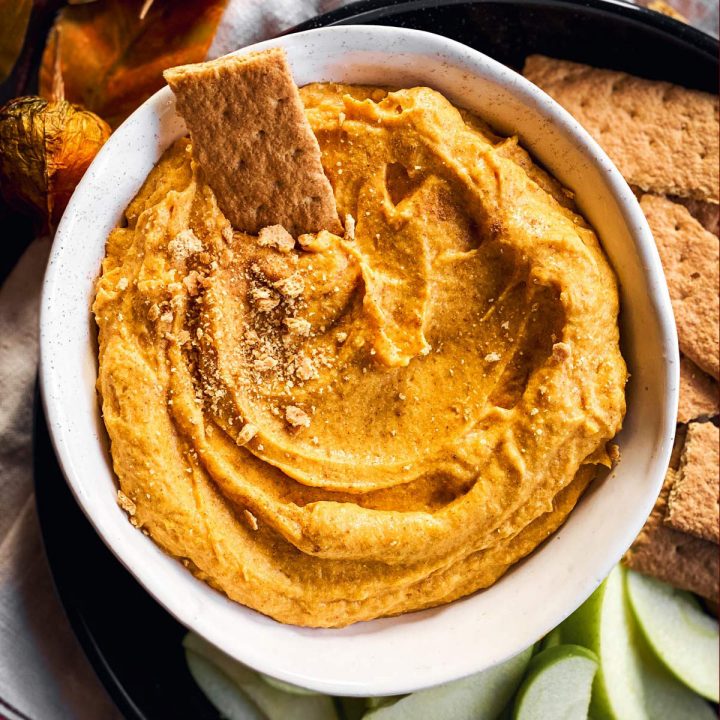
(253, 142)
(699, 393)
(663, 138)
(683, 561)
(690, 257)
(693, 502)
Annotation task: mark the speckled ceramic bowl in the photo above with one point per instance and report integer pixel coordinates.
(416, 650)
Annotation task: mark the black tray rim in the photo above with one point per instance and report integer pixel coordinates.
(367, 11)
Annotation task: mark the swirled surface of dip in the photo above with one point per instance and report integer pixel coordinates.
(342, 428)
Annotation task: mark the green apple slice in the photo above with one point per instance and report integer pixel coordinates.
(275, 704)
(220, 690)
(558, 685)
(478, 697)
(602, 625)
(683, 637)
(628, 686)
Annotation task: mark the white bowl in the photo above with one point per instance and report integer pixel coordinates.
(416, 650)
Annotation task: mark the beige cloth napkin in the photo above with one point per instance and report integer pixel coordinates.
(43, 672)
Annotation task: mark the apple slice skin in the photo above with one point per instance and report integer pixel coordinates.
(682, 637)
(553, 638)
(535, 702)
(479, 697)
(274, 704)
(220, 690)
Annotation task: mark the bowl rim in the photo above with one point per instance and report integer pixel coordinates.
(660, 301)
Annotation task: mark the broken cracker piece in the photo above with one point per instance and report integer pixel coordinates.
(183, 245)
(254, 143)
(683, 561)
(693, 502)
(296, 416)
(246, 434)
(251, 519)
(298, 326)
(662, 137)
(690, 257)
(699, 393)
(291, 286)
(126, 503)
(276, 236)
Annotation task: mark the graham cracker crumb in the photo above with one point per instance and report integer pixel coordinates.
(184, 244)
(291, 286)
(296, 416)
(561, 351)
(265, 299)
(349, 227)
(264, 363)
(298, 326)
(251, 519)
(126, 503)
(304, 368)
(192, 283)
(276, 236)
(248, 432)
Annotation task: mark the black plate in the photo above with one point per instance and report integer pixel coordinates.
(132, 643)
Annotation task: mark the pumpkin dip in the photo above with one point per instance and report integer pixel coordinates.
(340, 426)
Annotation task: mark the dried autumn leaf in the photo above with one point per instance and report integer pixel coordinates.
(45, 148)
(112, 59)
(15, 16)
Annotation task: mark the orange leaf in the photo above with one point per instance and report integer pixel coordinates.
(15, 16)
(112, 60)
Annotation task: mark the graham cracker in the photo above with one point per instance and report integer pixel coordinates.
(253, 142)
(693, 502)
(690, 256)
(663, 138)
(699, 393)
(684, 561)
